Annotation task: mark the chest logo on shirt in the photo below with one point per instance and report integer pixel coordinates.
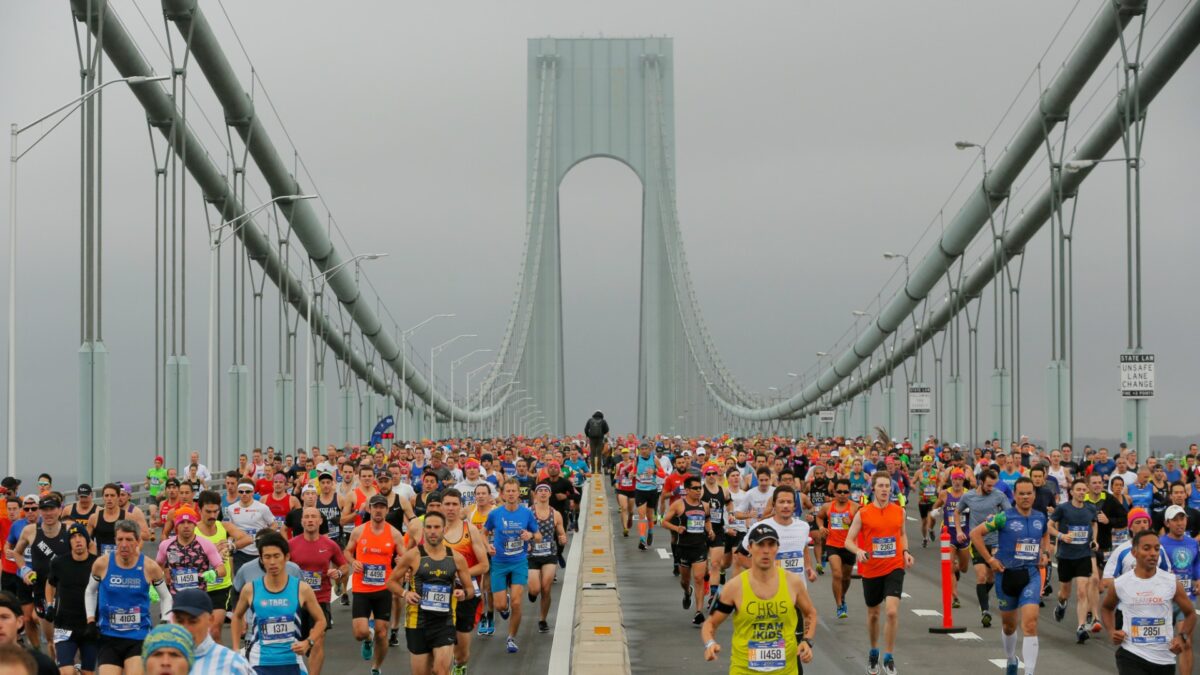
(1181, 557)
(1016, 526)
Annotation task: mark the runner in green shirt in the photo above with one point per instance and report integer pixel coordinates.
(156, 478)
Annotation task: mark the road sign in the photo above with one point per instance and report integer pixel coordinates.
(1137, 375)
(920, 399)
(827, 415)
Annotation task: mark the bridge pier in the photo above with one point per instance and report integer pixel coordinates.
(179, 410)
(285, 413)
(316, 422)
(1002, 407)
(94, 458)
(237, 415)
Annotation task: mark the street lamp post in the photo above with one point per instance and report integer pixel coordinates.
(453, 366)
(404, 336)
(471, 374)
(308, 359)
(432, 354)
(15, 156)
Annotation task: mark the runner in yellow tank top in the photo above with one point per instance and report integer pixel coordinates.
(227, 537)
(763, 601)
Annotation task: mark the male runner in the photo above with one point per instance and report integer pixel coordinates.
(927, 488)
(646, 494)
(321, 562)
(1183, 554)
(735, 529)
(507, 529)
(187, 560)
(464, 538)
(764, 603)
(879, 526)
(251, 517)
(84, 506)
(835, 518)
(979, 505)
(947, 505)
(1022, 546)
(719, 505)
(1074, 523)
(277, 599)
(193, 611)
(228, 538)
(45, 541)
(688, 520)
(370, 551)
(65, 588)
(545, 554)
(1147, 639)
(117, 602)
(439, 579)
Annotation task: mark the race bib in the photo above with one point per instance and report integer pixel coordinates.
(435, 597)
(766, 656)
(185, 578)
(124, 619)
(716, 514)
(791, 561)
(514, 546)
(1120, 536)
(1026, 549)
(62, 635)
(278, 630)
(251, 531)
(695, 523)
(837, 521)
(541, 548)
(108, 549)
(626, 481)
(930, 490)
(279, 520)
(1149, 630)
(883, 547)
(374, 575)
(856, 495)
(1078, 534)
(313, 579)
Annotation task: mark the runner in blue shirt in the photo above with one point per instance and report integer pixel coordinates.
(508, 528)
(1183, 554)
(1022, 548)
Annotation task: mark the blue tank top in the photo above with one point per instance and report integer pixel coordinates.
(276, 624)
(1193, 499)
(1141, 496)
(1020, 537)
(647, 472)
(125, 601)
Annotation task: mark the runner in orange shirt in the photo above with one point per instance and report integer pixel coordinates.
(878, 540)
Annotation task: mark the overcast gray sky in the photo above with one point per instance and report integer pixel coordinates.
(810, 138)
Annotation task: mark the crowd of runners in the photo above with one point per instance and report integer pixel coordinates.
(752, 521)
(434, 540)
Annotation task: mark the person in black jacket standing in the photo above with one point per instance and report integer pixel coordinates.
(596, 430)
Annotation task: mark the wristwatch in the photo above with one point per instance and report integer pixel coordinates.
(807, 641)
(311, 644)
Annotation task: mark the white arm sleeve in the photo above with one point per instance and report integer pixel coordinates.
(91, 596)
(164, 599)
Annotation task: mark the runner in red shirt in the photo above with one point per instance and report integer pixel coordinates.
(321, 562)
(168, 504)
(280, 502)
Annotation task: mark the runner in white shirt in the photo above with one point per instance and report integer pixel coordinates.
(1121, 560)
(755, 502)
(251, 517)
(794, 554)
(472, 480)
(1147, 640)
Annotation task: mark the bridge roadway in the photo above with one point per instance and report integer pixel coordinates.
(662, 639)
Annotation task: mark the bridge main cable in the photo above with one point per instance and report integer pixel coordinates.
(1054, 104)
(123, 52)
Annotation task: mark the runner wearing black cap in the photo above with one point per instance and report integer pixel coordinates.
(763, 601)
(47, 541)
(84, 505)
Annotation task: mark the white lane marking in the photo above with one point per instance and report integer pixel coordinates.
(965, 636)
(926, 612)
(912, 519)
(1003, 663)
(905, 596)
(663, 553)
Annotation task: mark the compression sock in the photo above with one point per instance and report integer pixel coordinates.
(1029, 653)
(981, 592)
(642, 529)
(1009, 640)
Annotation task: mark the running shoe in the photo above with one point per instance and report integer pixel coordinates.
(491, 627)
(1047, 590)
(626, 530)
(924, 543)
(1082, 635)
(889, 666)
(841, 611)
(345, 599)
(1096, 626)
(1060, 611)
(642, 545)
(1012, 667)
(675, 568)
(986, 619)
(368, 648)
(394, 638)
(698, 620)
(543, 627)
(687, 598)
(820, 569)
(956, 604)
(458, 669)
(512, 646)
(482, 626)
(504, 614)
(873, 662)
(375, 671)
